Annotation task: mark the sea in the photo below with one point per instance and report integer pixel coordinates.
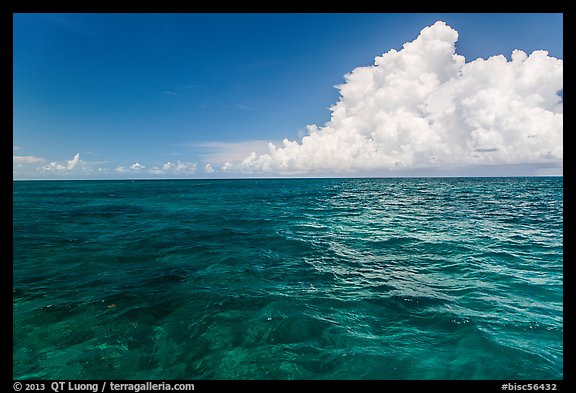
(287, 279)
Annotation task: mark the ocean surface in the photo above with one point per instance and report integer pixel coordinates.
(414, 278)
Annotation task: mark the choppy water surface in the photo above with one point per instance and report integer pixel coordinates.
(457, 278)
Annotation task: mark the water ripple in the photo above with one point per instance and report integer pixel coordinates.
(289, 279)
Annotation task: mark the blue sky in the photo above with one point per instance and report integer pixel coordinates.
(198, 89)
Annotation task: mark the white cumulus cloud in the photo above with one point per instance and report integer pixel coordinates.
(137, 167)
(425, 107)
(177, 168)
(53, 166)
(208, 168)
(70, 166)
(73, 163)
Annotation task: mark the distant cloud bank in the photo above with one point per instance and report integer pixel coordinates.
(71, 165)
(26, 159)
(425, 107)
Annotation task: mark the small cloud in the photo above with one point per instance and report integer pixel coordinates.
(26, 159)
(71, 165)
(227, 166)
(137, 167)
(171, 168)
(208, 168)
(54, 166)
(134, 168)
(169, 93)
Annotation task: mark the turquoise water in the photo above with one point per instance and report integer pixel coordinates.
(455, 278)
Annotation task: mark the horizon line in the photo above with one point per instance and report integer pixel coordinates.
(297, 178)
